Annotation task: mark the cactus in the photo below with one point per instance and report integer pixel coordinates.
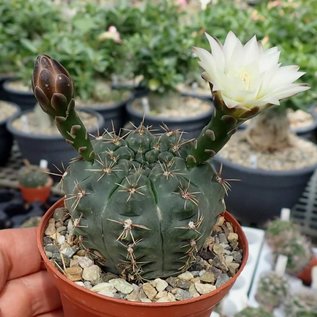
(144, 204)
(303, 304)
(279, 231)
(33, 176)
(284, 237)
(253, 312)
(272, 290)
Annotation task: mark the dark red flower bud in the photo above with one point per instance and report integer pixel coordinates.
(52, 85)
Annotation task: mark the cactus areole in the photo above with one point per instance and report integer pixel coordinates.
(143, 203)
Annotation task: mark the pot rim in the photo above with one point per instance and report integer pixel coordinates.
(6, 87)
(141, 115)
(259, 171)
(106, 106)
(49, 264)
(16, 113)
(14, 131)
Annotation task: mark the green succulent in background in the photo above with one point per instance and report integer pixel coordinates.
(292, 26)
(253, 312)
(22, 25)
(162, 51)
(32, 176)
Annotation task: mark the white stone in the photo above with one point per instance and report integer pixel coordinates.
(122, 285)
(91, 273)
(187, 276)
(204, 288)
(159, 284)
(84, 261)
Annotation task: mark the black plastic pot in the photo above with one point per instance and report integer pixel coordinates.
(24, 99)
(259, 195)
(192, 125)
(114, 114)
(3, 93)
(54, 149)
(6, 138)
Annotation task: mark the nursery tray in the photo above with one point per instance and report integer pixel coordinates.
(14, 212)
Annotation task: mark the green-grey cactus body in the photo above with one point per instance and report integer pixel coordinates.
(143, 203)
(272, 290)
(139, 205)
(33, 176)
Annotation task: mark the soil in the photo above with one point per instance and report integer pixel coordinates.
(301, 154)
(6, 110)
(18, 85)
(187, 107)
(107, 101)
(30, 123)
(300, 119)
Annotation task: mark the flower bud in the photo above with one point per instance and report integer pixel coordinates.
(52, 86)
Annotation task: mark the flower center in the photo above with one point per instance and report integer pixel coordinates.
(246, 78)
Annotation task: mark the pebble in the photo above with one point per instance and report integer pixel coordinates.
(104, 289)
(92, 273)
(182, 294)
(216, 262)
(50, 230)
(222, 278)
(204, 288)
(74, 273)
(208, 277)
(187, 276)
(121, 285)
(149, 290)
(68, 251)
(84, 261)
(233, 236)
(159, 284)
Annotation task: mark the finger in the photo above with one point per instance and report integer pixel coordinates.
(19, 255)
(35, 295)
(56, 313)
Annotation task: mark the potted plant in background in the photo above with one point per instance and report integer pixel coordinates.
(34, 183)
(162, 58)
(23, 26)
(37, 137)
(284, 237)
(126, 193)
(87, 46)
(8, 110)
(273, 164)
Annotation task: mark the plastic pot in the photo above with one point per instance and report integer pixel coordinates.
(306, 274)
(259, 195)
(39, 194)
(80, 302)
(6, 138)
(24, 99)
(192, 125)
(52, 148)
(114, 114)
(3, 94)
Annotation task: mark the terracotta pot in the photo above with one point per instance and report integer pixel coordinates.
(80, 302)
(40, 194)
(306, 274)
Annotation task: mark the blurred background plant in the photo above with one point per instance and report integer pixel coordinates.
(151, 40)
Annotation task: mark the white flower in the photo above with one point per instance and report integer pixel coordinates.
(248, 75)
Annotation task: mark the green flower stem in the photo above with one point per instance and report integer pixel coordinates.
(218, 131)
(75, 133)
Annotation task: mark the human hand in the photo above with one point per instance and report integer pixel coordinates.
(26, 290)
